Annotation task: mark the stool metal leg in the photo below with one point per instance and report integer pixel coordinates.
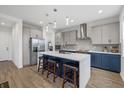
(39, 65)
(54, 73)
(48, 71)
(64, 78)
(75, 85)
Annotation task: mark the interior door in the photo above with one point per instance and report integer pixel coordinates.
(4, 45)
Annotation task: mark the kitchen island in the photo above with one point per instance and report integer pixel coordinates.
(82, 59)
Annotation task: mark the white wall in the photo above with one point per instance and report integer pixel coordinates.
(17, 44)
(122, 41)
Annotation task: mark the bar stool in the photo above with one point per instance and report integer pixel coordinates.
(71, 74)
(40, 63)
(52, 69)
(45, 65)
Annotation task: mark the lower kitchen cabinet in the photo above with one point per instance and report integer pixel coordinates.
(106, 61)
(116, 63)
(92, 59)
(96, 60)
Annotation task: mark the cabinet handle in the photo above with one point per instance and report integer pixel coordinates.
(109, 40)
(7, 49)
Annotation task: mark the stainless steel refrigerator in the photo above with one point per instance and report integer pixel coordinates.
(36, 45)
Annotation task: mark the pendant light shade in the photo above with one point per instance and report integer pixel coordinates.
(54, 24)
(67, 21)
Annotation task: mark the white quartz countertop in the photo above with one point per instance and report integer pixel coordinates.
(104, 52)
(69, 50)
(71, 56)
(94, 51)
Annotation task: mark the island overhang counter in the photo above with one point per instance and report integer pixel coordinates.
(82, 59)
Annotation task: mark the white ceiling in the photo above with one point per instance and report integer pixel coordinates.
(7, 23)
(79, 13)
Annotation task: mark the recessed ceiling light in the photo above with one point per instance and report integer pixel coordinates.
(55, 10)
(100, 11)
(41, 22)
(2, 23)
(72, 20)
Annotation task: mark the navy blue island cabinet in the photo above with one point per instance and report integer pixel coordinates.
(95, 60)
(109, 62)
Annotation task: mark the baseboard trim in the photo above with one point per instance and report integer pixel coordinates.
(122, 76)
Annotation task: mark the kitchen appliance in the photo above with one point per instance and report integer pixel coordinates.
(50, 47)
(57, 47)
(36, 45)
(82, 33)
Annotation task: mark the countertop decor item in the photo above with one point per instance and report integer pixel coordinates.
(105, 49)
(114, 49)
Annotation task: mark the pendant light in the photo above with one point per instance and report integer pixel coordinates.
(47, 28)
(54, 24)
(67, 21)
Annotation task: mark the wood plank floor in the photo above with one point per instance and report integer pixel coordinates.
(28, 77)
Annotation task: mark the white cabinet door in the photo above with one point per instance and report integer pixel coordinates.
(62, 38)
(106, 30)
(114, 34)
(72, 37)
(66, 38)
(96, 35)
(58, 38)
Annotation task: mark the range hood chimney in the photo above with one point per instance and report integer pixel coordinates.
(82, 33)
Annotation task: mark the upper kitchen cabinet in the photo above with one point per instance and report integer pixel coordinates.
(72, 37)
(96, 35)
(69, 37)
(66, 38)
(116, 32)
(58, 38)
(106, 34)
(110, 33)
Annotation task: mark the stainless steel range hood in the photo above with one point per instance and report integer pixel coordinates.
(82, 33)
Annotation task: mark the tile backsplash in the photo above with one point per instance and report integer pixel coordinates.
(80, 44)
(87, 45)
